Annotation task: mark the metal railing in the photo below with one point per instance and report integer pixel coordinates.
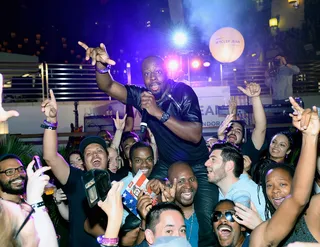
(30, 82)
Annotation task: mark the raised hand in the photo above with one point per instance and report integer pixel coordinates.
(36, 183)
(98, 54)
(49, 107)
(246, 216)
(4, 115)
(306, 120)
(112, 205)
(252, 89)
(155, 186)
(224, 126)
(168, 193)
(233, 106)
(119, 123)
(144, 204)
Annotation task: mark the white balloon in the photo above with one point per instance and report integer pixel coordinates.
(226, 45)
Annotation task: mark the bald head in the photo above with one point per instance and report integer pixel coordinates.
(152, 59)
(187, 183)
(177, 168)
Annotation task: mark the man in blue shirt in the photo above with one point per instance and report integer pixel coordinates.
(225, 168)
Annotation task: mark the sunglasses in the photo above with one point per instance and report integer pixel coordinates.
(217, 215)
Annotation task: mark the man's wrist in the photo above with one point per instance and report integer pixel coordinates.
(52, 120)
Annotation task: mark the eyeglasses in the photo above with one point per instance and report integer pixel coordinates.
(11, 171)
(28, 208)
(217, 215)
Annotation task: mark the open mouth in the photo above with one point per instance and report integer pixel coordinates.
(278, 201)
(209, 169)
(224, 231)
(17, 182)
(96, 163)
(232, 138)
(144, 171)
(187, 195)
(275, 151)
(155, 87)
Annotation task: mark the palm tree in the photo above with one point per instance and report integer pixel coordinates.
(13, 145)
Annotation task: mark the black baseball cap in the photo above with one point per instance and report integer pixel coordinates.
(92, 139)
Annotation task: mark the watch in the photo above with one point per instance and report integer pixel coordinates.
(165, 117)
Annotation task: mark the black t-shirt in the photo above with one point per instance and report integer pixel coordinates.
(78, 210)
(182, 103)
(250, 150)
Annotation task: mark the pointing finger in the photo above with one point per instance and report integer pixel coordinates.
(83, 45)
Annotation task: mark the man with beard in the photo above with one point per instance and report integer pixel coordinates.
(225, 168)
(174, 118)
(234, 131)
(227, 230)
(13, 178)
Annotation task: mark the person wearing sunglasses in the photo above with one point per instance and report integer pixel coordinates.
(229, 232)
(26, 222)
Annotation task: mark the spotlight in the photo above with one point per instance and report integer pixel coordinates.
(180, 38)
(206, 64)
(195, 64)
(173, 65)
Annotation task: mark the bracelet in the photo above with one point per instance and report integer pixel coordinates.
(50, 124)
(47, 127)
(107, 241)
(105, 70)
(37, 205)
(56, 202)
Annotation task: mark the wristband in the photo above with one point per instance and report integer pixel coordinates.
(107, 241)
(56, 202)
(105, 70)
(37, 205)
(47, 127)
(50, 124)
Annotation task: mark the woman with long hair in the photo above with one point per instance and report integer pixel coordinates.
(290, 201)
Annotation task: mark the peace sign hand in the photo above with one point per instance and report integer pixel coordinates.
(98, 54)
(4, 115)
(50, 108)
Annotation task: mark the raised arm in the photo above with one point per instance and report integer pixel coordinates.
(272, 232)
(253, 91)
(130, 119)
(295, 69)
(42, 222)
(119, 124)
(106, 83)
(59, 166)
(4, 115)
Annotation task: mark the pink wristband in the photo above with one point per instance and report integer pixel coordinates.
(107, 241)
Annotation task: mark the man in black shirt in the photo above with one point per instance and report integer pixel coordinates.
(234, 131)
(174, 117)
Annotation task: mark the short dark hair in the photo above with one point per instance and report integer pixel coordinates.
(128, 134)
(153, 216)
(230, 152)
(140, 145)
(10, 156)
(244, 128)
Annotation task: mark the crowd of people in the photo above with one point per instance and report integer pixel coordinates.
(235, 189)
